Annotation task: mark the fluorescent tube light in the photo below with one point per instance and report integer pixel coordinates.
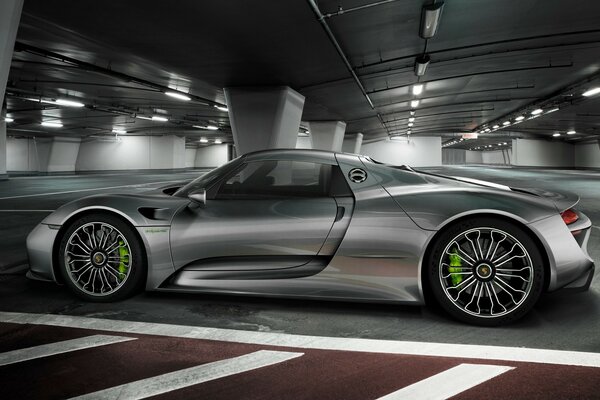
(506, 123)
(571, 132)
(414, 103)
(178, 96)
(410, 124)
(591, 92)
(203, 140)
(520, 118)
(537, 111)
(417, 89)
(119, 131)
(52, 124)
(9, 119)
(552, 110)
(496, 126)
(411, 119)
(556, 134)
(159, 118)
(68, 103)
(218, 141)
(412, 112)
(222, 108)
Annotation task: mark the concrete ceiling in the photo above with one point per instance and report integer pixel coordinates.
(490, 60)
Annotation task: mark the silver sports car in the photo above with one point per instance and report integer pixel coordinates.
(323, 225)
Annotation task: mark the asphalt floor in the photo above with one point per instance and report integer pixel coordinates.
(561, 320)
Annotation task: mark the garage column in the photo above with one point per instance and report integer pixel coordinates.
(352, 143)
(10, 15)
(264, 118)
(327, 135)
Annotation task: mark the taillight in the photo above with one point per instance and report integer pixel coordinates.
(569, 216)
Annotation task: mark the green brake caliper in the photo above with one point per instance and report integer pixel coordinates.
(123, 259)
(454, 263)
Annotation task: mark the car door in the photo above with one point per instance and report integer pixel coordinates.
(266, 216)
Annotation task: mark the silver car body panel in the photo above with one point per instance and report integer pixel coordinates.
(370, 246)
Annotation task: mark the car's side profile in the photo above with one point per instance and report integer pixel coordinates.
(323, 225)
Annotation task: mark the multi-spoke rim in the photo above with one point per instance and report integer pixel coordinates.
(98, 258)
(486, 272)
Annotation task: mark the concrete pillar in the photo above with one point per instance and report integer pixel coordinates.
(264, 118)
(304, 142)
(352, 143)
(10, 15)
(327, 135)
(63, 154)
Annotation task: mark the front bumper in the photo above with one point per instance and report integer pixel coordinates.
(39, 250)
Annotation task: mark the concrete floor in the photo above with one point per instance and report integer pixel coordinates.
(568, 321)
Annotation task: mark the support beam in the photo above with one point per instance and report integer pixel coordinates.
(264, 118)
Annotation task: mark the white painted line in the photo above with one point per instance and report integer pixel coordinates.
(26, 211)
(448, 383)
(468, 351)
(86, 190)
(192, 376)
(46, 350)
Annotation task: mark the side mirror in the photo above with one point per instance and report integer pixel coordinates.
(198, 197)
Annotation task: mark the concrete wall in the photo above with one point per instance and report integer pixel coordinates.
(63, 154)
(132, 152)
(497, 157)
(190, 157)
(41, 155)
(418, 152)
(542, 153)
(587, 155)
(453, 156)
(473, 157)
(211, 156)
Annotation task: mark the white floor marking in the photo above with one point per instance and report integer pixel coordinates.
(86, 190)
(192, 376)
(448, 383)
(519, 354)
(46, 350)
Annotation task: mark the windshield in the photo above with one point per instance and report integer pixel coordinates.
(204, 181)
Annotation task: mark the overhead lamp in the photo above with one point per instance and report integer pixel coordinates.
(408, 132)
(144, 117)
(591, 92)
(52, 124)
(203, 140)
(69, 103)
(207, 127)
(505, 123)
(414, 103)
(537, 111)
(218, 141)
(556, 134)
(505, 143)
(417, 89)
(496, 126)
(421, 64)
(411, 119)
(520, 118)
(486, 130)
(222, 108)
(159, 118)
(119, 131)
(8, 119)
(410, 124)
(412, 112)
(178, 96)
(552, 110)
(430, 19)
(571, 132)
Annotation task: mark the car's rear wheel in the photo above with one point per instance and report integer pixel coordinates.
(486, 271)
(101, 258)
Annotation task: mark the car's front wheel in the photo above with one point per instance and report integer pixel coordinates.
(101, 258)
(486, 271)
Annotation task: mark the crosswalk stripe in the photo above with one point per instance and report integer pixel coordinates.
(448, 383)
(46, 350)
(191, 376)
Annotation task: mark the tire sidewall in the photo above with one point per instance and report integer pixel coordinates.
(137, 272)
(519, 234)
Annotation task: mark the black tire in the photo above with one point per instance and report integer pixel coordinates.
(493, 290)
(124, 267)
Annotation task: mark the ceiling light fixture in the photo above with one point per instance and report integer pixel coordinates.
(222, 108)
(119, 131)
(8, 119)
(421, 64)
(203, 140)
(506, 123)
(414, 103)
(496, 126)
(591, 92)
(556, 134)
(520, 118)
(412, 112)
(178, 96)
(159, 118)
(143, 117)
(537, 111)
(207, 127)
(69, 103)
(430, 19)
(552, 110)
(218, 141)
(417, 89)
(571, 132)
(410, 124)
(52, 124)
(408, 132)
(411, 119)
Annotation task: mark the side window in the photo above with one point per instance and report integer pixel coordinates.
(272, 178)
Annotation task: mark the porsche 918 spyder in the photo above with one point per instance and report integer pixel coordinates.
(322, 225)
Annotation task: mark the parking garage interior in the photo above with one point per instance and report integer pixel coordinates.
(132, 96)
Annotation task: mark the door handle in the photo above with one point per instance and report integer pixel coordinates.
(339, 214)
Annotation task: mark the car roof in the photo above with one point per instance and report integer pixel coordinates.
(307, 155)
